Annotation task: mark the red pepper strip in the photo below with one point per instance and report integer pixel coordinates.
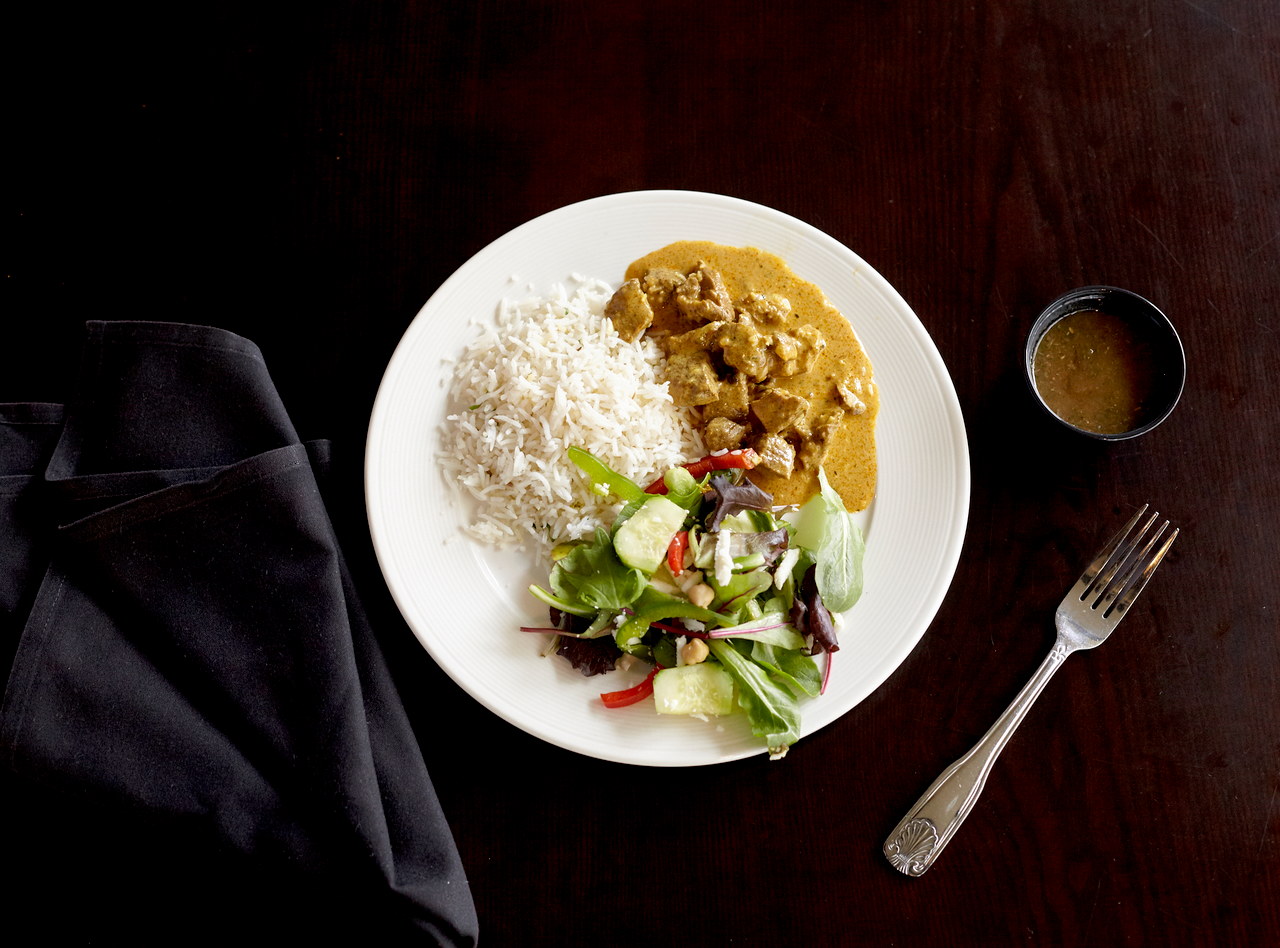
(675, 552)
(620, 699)
(744, 458)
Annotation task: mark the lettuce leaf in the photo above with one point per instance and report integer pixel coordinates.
(654, 606)
(590, 656)
(828, 530)
(790, 666)
(770, 707)
(592, 575)
(782, 636)
(732, 598)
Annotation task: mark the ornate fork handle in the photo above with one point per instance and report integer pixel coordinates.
(916, 841)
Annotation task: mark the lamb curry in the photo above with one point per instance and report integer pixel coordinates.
(765, 361)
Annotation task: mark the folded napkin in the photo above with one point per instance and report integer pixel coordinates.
(199, 732)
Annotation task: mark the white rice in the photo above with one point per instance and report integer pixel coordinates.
(551, 373)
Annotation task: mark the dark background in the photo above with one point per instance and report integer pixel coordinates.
(307, 175)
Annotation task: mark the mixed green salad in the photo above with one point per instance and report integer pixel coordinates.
(727, 597)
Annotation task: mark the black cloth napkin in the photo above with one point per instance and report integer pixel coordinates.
(200, 734)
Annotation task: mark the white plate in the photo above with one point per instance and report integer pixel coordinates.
(465, 602)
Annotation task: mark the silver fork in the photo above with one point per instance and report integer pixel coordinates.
(1092, 608)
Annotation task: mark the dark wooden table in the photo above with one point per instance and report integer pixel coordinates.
(308, 178)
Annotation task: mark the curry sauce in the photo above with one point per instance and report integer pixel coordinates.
(763, 356)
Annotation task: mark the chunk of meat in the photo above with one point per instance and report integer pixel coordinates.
(630, 311)
(746, 349)
(703, 296)
(659, 285)
(691, 379)
(776, 454)
(780, 412)
(705, 337)
(660, 282)
(813, 450)
(847, 391)
(786, 353)
(796, 352)
(769, 310)
(723, 434)
(812, 345)
(733, 401)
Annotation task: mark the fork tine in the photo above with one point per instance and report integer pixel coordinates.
(1125, 563)
(1142, 570)
(1102, 567)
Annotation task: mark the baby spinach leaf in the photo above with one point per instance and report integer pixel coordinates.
(654, 606)
(790, 666)
(592, 574)
(770, 707)
(733, 597)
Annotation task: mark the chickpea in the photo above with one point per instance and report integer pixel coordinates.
(701, 595)
(694, 651)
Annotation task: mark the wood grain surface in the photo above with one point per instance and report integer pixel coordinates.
(307, 176)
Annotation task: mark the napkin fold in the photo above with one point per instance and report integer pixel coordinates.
(193, 687)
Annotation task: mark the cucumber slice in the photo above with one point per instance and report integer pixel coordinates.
(704, 688)
(642, 541)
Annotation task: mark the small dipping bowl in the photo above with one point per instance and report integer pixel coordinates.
(1105, 363)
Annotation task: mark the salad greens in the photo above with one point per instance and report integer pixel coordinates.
(840, 547)
(700, 569)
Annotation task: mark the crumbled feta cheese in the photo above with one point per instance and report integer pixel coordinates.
(724, 557)
(785, 566)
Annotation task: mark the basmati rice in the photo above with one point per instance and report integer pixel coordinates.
(551, 372)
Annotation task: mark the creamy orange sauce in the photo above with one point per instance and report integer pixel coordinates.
(850, 464)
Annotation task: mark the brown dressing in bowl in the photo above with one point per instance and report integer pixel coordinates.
(1098, 371)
